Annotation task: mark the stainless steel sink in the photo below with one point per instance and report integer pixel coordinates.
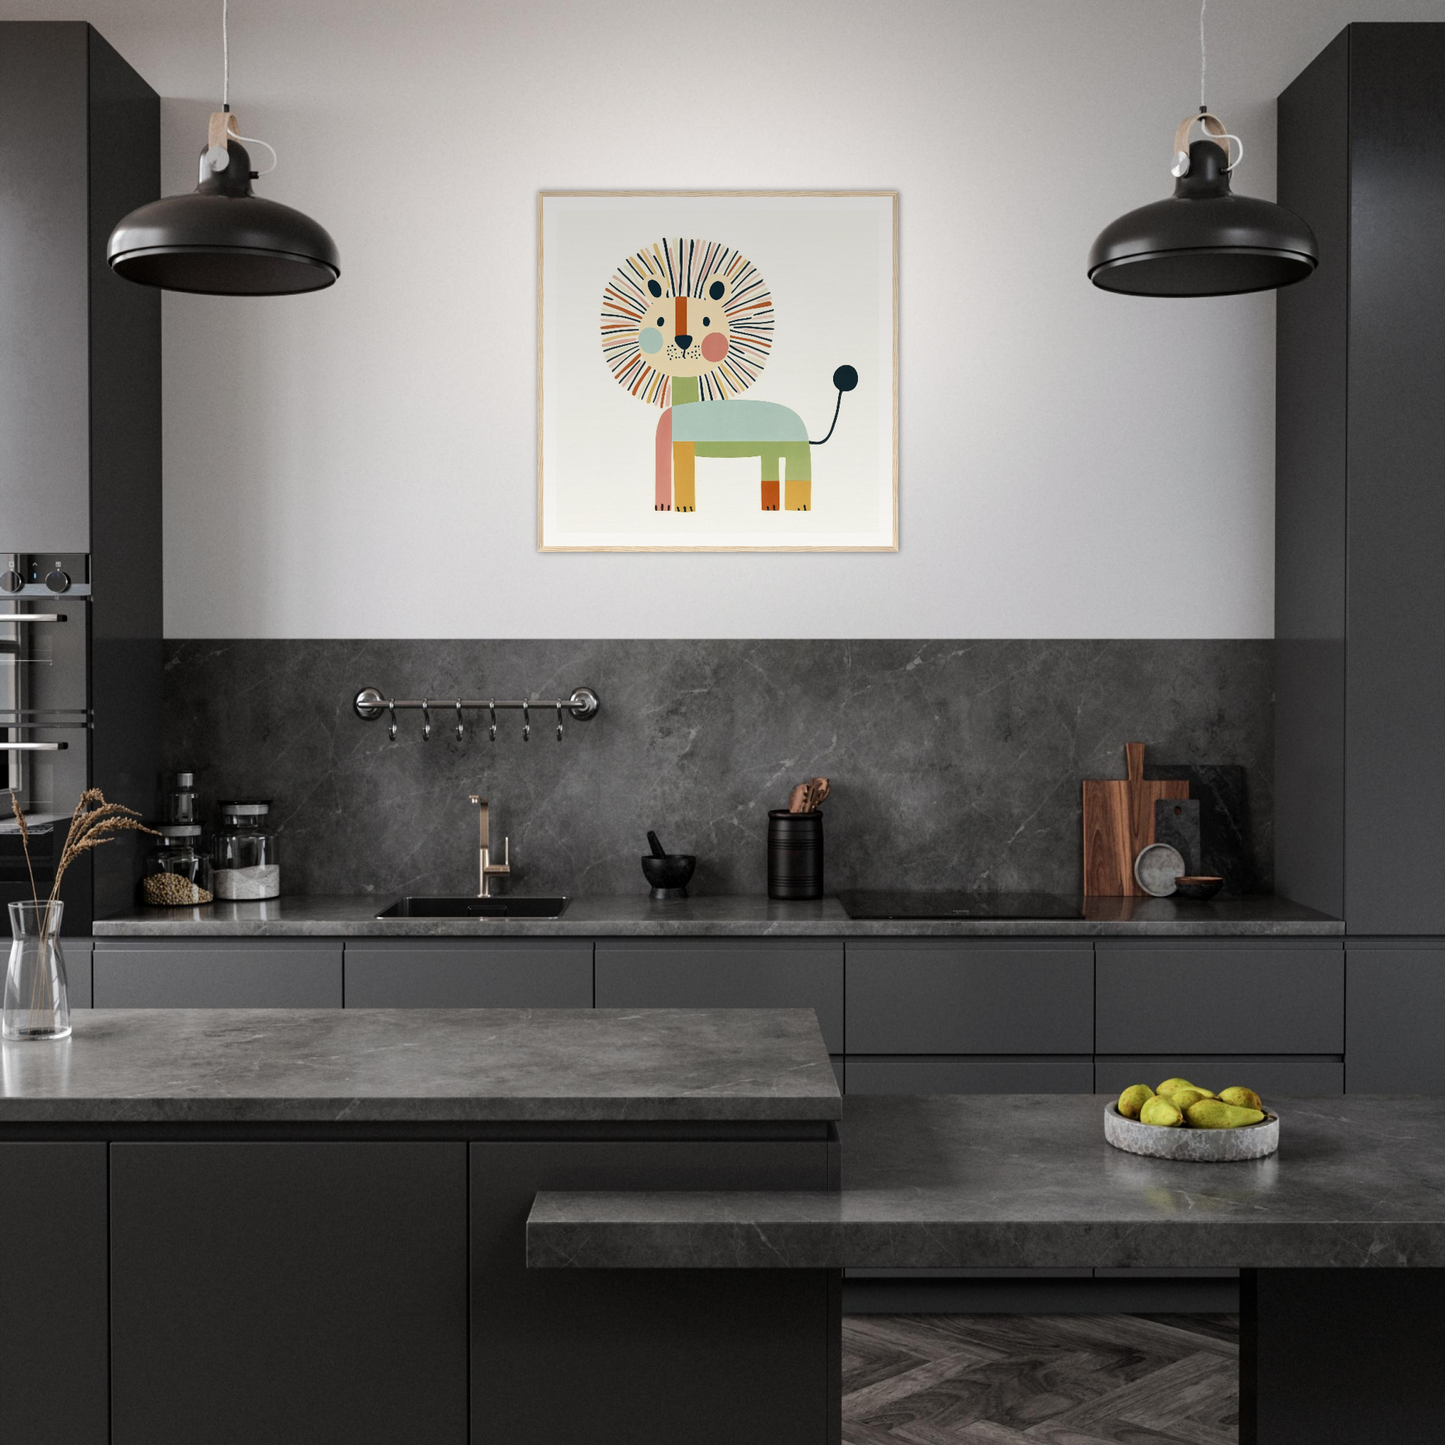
(474, 907)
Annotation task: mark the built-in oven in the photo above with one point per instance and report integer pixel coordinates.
(45, 723)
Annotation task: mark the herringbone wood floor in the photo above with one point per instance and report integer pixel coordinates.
(1040, 1380)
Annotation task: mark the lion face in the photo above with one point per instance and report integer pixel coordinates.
(684, 307)
(685, 335)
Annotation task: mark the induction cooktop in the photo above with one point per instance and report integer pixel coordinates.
(862, 904)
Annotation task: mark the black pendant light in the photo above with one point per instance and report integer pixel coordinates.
(222, 239)
(1203, 240)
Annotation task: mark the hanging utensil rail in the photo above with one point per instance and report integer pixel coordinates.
(370, 704)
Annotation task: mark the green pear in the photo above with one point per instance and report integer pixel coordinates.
(1133, 1099)
(1160, 1111)
(1169, 1086)
(1214, 1114)
(1244, 1098)
(1183, 1098)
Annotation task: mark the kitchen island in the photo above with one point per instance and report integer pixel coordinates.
(309, 1226)
(1341, 1235)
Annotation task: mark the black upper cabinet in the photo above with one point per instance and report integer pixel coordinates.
(1360, 499)
(80, 399)
(80, 380)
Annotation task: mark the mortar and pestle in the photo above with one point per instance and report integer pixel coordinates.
(667, 872)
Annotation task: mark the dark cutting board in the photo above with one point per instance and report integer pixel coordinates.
(1176, 822)
(1119, 823)
(1224, 826)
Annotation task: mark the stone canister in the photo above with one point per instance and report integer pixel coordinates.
(795, 854)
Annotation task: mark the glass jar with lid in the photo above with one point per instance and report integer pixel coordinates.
(244, 853)
(178, 869)
(179, 804)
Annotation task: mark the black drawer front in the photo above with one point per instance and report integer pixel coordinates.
(428, 974)
(1220, 1000)
(761, 973)
(970, 1076)
(201, 974)
(927, 998)
(1396, 1033)
(1268, 1076)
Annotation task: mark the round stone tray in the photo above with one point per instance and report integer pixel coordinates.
(1198, 1146)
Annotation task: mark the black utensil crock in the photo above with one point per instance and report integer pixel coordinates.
(795, 854)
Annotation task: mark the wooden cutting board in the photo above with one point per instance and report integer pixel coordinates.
(1118, 823)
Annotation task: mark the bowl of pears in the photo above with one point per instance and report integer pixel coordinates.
(1180, 1120)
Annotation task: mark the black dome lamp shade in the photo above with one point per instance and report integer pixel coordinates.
(1203, 240)
(222, 239)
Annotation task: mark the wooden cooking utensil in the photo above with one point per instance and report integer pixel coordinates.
(1118, 823)
(798, 798)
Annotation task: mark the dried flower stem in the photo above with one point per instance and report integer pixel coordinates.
(25, 843)
(93, 823)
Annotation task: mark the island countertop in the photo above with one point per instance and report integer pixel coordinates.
(396, 1066)
(1027, 1181)
(720, 915)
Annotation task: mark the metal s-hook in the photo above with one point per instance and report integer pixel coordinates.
(461, 726)
(526, 724)
(559, 722)
(492, 708)
(391, 708)
(426, 719)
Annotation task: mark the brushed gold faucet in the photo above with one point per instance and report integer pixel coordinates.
(487, 870)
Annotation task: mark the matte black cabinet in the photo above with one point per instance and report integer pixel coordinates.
(1360, 487)
(1271, 1074)
(1219, 998)
(217, 973)
(616, 1357)
(80, 425)
(54, 1329)
(714, 973)
(343, 1271)
(923, 1075)
(77, 953)
(456, 973)
(1396, 1017)
(949, 996)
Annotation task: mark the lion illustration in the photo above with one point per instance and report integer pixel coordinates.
(687, 325)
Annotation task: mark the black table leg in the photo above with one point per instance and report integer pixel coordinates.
(1342, 1357)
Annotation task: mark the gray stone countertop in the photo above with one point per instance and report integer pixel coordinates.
(422, 1066)
(1027, 1181)
(719, 916)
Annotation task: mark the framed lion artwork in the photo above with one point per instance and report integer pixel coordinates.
(717, 371)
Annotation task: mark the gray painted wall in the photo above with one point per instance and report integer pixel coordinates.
(954, 764)
(362, 462)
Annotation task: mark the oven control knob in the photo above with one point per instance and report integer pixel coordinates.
(58, 581)
(11, 581)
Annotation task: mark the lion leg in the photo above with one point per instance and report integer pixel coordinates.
(798, 490)
(662, 501)
(684, 487)
(771, 475)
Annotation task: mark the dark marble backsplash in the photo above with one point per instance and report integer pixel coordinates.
(953, 764)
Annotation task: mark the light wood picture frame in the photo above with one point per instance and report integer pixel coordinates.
(717, 371)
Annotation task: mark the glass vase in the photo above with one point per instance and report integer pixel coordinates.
(37, 1001)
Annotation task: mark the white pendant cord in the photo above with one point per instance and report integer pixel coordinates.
(219, 159)
(1203, 53)
(253, 141)
(1214, 130)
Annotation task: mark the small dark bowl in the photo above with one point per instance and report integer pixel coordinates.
(669, 875)
(1198, 887)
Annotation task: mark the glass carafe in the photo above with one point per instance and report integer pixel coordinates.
(37, 1001)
